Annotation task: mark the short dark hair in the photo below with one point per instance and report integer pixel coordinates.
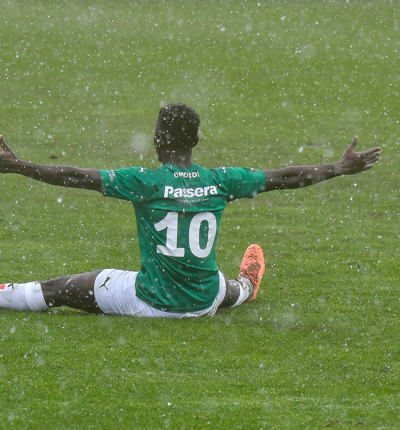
(176, 128)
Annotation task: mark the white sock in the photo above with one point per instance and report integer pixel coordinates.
(22, 297)
(245, 290)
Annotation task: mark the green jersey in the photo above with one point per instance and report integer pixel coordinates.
(178, 213)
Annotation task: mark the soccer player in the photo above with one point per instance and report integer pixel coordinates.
(178, 212)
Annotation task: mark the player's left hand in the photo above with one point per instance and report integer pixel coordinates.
(354, 162)
(7, 157)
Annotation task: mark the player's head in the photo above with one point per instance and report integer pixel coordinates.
(176, 131)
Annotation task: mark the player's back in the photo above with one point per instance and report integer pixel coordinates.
(178, 213)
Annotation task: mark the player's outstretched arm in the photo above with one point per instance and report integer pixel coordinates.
(350, 163)
(66, 176)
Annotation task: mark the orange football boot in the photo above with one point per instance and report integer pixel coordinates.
(252, 267)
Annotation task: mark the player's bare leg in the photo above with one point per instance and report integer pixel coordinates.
(245, 288)
(75, 291)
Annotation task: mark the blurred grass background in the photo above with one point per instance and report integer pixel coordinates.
(276, 83)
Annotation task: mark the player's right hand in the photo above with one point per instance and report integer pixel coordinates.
(7, 157)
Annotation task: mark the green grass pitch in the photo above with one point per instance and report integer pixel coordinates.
(275, 83)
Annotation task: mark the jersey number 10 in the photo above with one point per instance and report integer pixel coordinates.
(170, 223)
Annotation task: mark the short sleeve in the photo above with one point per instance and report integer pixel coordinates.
(244, 182)
(126, 184)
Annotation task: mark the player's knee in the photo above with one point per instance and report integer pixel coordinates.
(76, 285)
(82, 284)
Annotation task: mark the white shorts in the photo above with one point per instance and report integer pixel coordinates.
(115, 293)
